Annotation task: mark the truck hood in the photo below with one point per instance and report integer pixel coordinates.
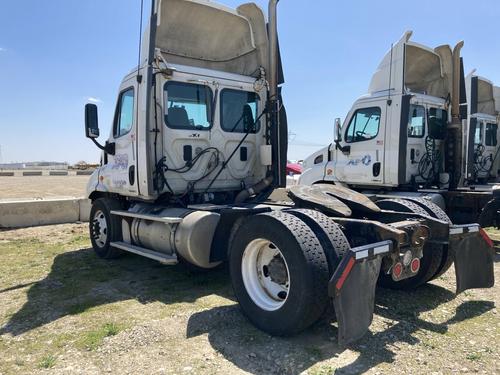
(207, 35)
(409, 66)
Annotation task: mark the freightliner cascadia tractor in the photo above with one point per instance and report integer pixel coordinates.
(198, 145)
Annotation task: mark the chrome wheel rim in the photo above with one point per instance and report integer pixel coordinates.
(99, 228)
(265, 274)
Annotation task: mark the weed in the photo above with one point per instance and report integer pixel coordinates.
(93, 339)
(47, 362)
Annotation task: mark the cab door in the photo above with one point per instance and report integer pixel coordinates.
(121, 171)
(360, 155)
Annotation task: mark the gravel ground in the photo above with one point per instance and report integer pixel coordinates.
(64, 311)
(36, 187)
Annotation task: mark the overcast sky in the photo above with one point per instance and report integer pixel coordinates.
(56, 55)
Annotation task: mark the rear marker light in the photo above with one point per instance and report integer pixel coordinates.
(415, 265)
(486, 237)
(397, 270)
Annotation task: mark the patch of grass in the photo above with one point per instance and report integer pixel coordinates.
(473, 356)
(93, 339)
(47, 362)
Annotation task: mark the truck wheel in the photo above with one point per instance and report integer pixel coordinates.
(432, 254)
(279, 273)
(105, 228)
(332, 239)
(435, 211)
(489, 216)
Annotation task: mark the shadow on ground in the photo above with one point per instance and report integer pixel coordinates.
(255, 352)
(78, 281)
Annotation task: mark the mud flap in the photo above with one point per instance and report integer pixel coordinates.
(352, 288)
(473, 254)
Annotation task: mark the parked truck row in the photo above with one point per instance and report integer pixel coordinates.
(199, 144)
(423, 130)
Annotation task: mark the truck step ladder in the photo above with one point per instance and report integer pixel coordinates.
(138, 215)
(160, 257)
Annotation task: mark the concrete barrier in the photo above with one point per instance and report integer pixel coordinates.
(84, 173)
(58, 173)
(32, 173)
(6, 174)
(19, 214)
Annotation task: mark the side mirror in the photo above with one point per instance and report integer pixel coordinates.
(337, 136)
(91, 122)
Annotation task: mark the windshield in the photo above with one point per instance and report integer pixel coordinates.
(437, 120)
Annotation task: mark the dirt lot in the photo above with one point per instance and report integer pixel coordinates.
(42, 186)
(62, 310)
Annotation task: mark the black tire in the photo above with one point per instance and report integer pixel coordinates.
(435, 211)
(307, 297)
(331, 237)
(432, 254)
(489, 216)
(103, 207)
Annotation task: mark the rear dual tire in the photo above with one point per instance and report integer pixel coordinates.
(434, 259)
(280, 270)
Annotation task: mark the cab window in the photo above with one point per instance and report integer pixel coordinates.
(437, 120)
(125, 113)
(478, 135)
(364, 125)
(416, 124)
(188, 106)
(491, 134)
(239, 110)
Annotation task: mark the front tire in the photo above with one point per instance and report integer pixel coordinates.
(279, 273)
(105, 228)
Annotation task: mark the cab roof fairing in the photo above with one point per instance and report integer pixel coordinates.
(487, 103)
(415, 68)
(203, 34)
(496, 95)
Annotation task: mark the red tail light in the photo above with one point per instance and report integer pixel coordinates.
(415, 265)
(397, 270)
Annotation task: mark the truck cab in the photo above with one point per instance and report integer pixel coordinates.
(481, 132)
(189, 105)
(393, 135)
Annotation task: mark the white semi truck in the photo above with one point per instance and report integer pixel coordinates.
(481, 131)
(199, 143)
(407, 136)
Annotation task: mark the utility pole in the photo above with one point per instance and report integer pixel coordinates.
(1, 159)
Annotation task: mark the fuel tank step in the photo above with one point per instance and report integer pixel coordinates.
(160, 257)
(137, 215)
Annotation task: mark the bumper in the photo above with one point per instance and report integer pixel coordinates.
(352, 289)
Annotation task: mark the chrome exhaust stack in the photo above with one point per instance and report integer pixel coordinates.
(273, 49)
(455, 143)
